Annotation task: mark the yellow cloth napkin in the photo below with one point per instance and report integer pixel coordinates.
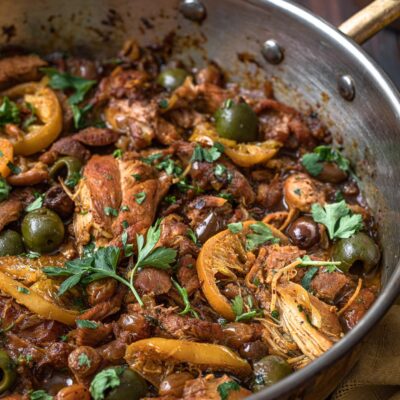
(377, 374)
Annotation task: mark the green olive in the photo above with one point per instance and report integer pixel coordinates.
(73, 167)
(268, 371)
(132, 386)
(237, 121)
(10, 243)
(7, 372)
(359, 247)
(42, 230)
(172, 78)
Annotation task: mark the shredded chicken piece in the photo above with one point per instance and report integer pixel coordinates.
(276, 278)
(295, 321)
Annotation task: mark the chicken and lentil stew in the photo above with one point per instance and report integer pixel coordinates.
(165, 233)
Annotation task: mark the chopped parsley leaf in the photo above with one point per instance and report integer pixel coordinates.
(140, 197)
(40, 395)
(79, 114)
(110, 212)
(125, 224)
(275, 314)
(84, 361)
(105, 380)
(84, 323)
(36, 204)
(152, 157)
(9, 112)
(62, 81)
(225, 388)
(170, 199)
(262, 234)
(5, 189)
(193, 237)
(73, 179)
(235, 227)
(14, 169)
(238, 309)
(117, 153)
(128, 247)
(208, 155)
(308, 277)
(185, 297)
(313, 162)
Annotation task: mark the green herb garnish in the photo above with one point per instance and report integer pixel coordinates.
(208, 155)
(185, 297)
(73, 179)
(140, 197)
(262, 234)
(63, 81)
(308, 276)
(117, 153)
(9, 112)
(36, 204)
(313, 162)
(79, 114)
(338, 219)
(235, 227)
(225, 388)
(5, 189)
(83, 360)
(40, 395)
(192, 236)
(14, 169)
(110, 212)
(105, 380)
(103, 262)
(238, 309)
(84, 323)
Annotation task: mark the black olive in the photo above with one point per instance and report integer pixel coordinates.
(304, 232)
(211, 225)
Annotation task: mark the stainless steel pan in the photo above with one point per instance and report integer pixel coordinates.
(309, 61)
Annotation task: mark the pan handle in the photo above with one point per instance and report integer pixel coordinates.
(371, 19)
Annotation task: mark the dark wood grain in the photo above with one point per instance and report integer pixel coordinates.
(384, 47)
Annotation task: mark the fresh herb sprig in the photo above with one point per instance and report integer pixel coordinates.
(208, 155)
(80, 86)
(314, 265)
(239, 309)
(185, 297)
(339, 220)
(313, 162)
(63, 81)
(261, 234)
(306, 262)
(103, 263)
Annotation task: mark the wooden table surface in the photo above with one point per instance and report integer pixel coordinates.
(384, 47)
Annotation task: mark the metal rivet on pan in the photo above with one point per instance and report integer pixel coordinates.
(193, 10)
(346, 87)
(272, 52)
